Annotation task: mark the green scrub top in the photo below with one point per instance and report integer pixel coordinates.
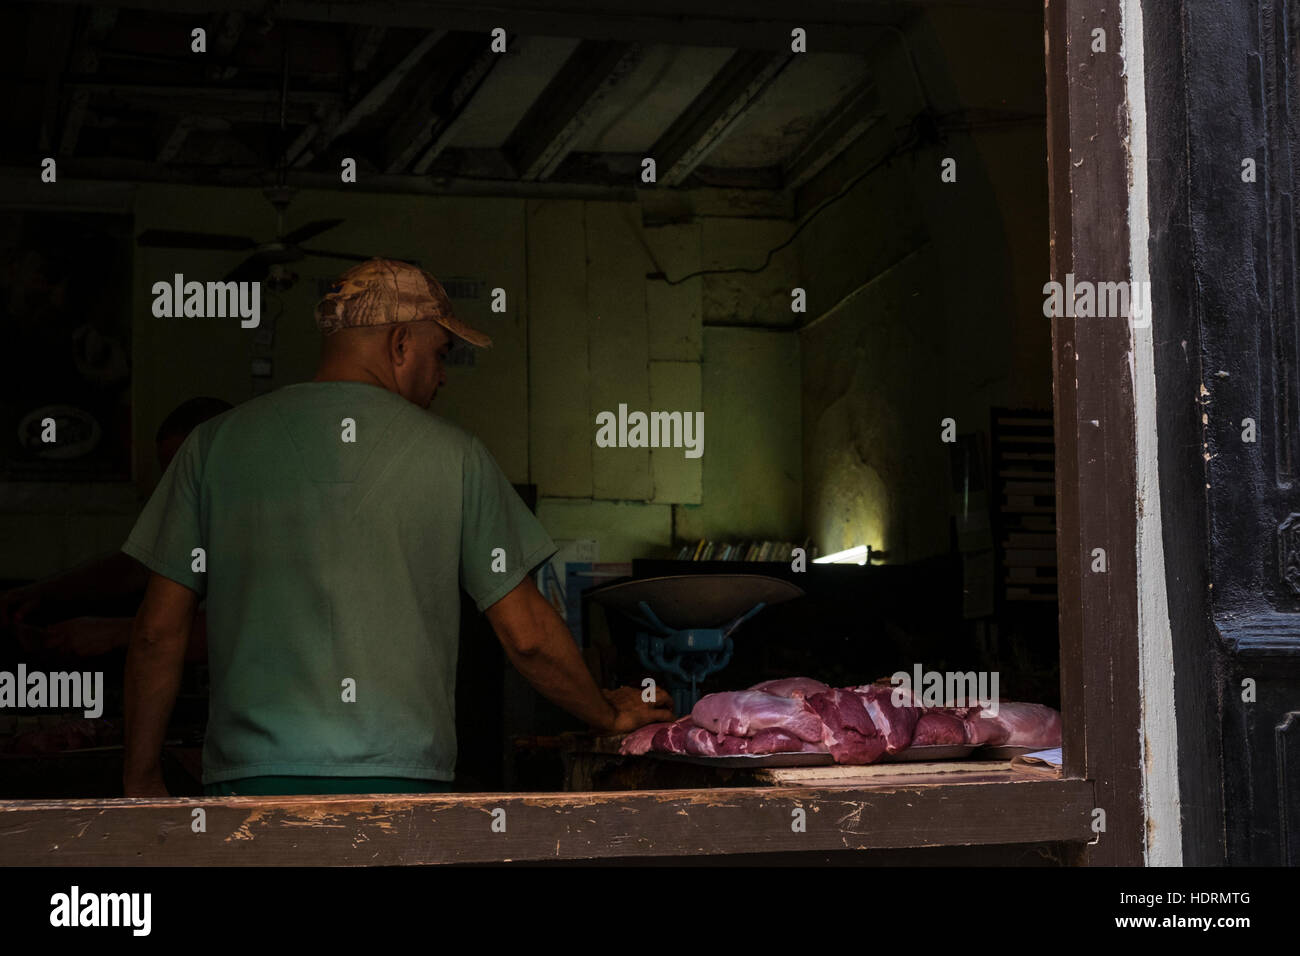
(337, 522)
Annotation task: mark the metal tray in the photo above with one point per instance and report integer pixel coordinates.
(910, 755)
(683, 601)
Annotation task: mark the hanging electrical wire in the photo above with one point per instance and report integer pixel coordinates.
(923, 132)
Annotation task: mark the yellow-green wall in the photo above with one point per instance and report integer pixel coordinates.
(833, 433)
(925, 296)
(584, 330)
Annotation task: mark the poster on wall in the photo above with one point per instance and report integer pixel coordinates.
(65, 372)
(553, 580)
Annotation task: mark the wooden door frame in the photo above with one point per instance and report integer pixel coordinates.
(1096, 466)
(1099, 638)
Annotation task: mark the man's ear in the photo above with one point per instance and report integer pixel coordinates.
(399, 342)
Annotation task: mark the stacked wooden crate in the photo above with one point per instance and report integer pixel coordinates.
(1024, 473)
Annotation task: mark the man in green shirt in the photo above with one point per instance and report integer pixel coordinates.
(330, 525)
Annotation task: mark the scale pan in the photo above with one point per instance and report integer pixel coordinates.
(684, 601)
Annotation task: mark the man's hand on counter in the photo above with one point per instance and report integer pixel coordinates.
(632, 712)
(541, 648)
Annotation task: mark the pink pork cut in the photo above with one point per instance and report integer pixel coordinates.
(743, 713)
(671, 738)
(688, 738)
(774, 742)
(763, 742)
(1016, 725)
(705, 743)
(984, 730)
(843, 707)
(701, 742)
(1028, 725)
(640, 740)
(862, 724)
(895, 724)
(803, 687)
(939, 730)
(846, 745)
(848, 731)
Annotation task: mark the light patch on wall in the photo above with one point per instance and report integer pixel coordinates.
(852, 507)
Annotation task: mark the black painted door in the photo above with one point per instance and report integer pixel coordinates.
(1223, 100)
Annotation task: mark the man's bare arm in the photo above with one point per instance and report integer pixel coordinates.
(154, 662)
(540, 647)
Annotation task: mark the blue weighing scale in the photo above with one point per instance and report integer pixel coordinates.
(685, 621)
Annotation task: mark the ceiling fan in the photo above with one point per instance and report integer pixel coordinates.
(268, 258)
(286, 247)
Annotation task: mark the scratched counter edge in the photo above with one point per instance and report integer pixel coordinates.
(996, 808)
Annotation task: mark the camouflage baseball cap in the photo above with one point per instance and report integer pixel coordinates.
(385, 291)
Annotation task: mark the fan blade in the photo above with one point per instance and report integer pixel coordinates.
(350, 256)
(193, 240)
(310, 231)
(252, 269)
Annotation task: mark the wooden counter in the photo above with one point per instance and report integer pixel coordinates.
(888, 810)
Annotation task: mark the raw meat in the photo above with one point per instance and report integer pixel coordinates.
(774, 742)
(846, 745)
(856, 725)
(743, 713)
(701, 742)
(906, 696)
(868, 712)
(671, 738)
(939, 730)
(803, 687)
(843, 707)
(895, 724)
(847, 729)
(705, 743)
(639, 740)
(984, 730)
(1015, 725)
(763, 742)
(1028, 725)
